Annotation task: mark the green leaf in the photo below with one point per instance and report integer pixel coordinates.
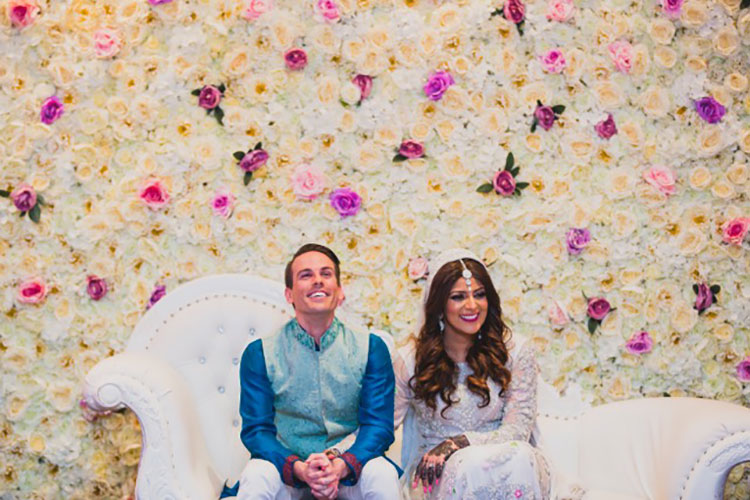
(509, 161)
(344, 103)
(539, 103)
(520, 28)
(516, 192)
(247, 178)
(239, 155)
(40, 199)
(219, 115)
(399, 158)
(745, 4)
(35, 213)
(695, 288)
(558, 109)
(514, 171)
(522, 185)
(258, 146)
(196, 92)
(533, 126)
(496, 12)
(22, 214)
(222, 88)
(592, 324)
(715, 289)
(485, 188)
(4, 193)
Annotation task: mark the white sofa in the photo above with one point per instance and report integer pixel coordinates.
(179, 374)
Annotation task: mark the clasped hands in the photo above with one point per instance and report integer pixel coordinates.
(322, 474)
(431, 466)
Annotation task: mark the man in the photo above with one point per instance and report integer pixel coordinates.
(309, 386)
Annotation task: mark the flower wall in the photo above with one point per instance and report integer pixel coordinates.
(593, 153)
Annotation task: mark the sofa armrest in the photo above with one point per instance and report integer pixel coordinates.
(174, 461)
(708, 476)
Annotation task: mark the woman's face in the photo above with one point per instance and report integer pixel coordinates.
(465, 312)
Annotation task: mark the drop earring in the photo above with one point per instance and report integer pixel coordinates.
(441, 324)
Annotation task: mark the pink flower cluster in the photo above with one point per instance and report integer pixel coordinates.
(734, 231)
(22, 13)
(662, 178)
(308, 181)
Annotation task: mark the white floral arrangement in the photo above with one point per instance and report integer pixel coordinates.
(149, 142)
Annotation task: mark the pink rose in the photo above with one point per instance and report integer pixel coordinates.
(504, 183)
(743, 370)
(606, 128)
(256, 8)
(411, 149)
(598, 308)
(672, 8)
(364, 83)
(514, 11)
(106, 43)
(223, 203)
(329, 10)
(159, 2)
(437, 84)
(154, 194)
(22, 13)
(253, 160)
(639, 343)
(32, 291)
(621, 53)
(24, 197)
(96, 287)
(418, 268)
(560, 10)
(308, 181)
(662, 178)
(209, 97)
(553, 61)
(735, 230)
(52, 109)
(557, 315)
(295, 59)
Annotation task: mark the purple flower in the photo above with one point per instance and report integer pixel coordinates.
(710, 109)
(364, 83)
(545, 116)
(514, 11)
(253, 160)
(704, 297)
(209, 97)
(345, 201)
(577, 239)
(411, 149)
(639, 343)
(743, 370)
(437, 84)
(159, 292)
(96, 287)
(598, 308)
(672, 8)
(606, 128)
(158, 2)
(295, 59)
(52, 109)
(24, 197)
(504, 183)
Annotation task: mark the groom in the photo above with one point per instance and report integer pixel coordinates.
(310, 385)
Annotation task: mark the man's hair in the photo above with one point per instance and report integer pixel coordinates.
(312, 247)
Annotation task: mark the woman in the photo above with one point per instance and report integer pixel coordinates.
(467, 394)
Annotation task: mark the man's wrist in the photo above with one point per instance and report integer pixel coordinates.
(300, 469)
(342, 470)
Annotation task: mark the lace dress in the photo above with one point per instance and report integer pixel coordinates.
(499, 463)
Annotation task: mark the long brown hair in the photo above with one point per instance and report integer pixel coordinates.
(435, 373)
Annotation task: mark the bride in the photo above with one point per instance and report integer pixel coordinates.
(466, 393)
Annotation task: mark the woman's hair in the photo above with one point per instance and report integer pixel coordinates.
(435, 373)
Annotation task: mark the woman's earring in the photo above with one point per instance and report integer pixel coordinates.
(441, 324)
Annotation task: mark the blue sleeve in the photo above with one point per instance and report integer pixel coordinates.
(256, 408)
(375, 411)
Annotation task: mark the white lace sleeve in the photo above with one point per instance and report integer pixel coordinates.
(519, 410)
(403, 391)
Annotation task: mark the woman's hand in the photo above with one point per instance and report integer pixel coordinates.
(431, 465)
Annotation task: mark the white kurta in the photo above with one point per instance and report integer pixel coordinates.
(499, 462)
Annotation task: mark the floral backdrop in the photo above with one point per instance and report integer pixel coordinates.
(593, 153)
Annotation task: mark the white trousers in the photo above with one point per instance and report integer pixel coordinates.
(261, 481)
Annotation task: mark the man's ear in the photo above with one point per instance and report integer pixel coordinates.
(342, 297)
(288, 295)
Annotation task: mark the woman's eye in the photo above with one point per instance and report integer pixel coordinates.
(457, 297)
(480, 295)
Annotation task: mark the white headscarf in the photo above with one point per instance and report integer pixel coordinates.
(435, 265)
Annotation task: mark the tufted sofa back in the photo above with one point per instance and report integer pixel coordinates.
(201, 329)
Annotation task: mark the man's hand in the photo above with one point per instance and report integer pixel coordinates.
(323, 476)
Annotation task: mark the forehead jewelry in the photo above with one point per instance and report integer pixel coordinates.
(466, 274)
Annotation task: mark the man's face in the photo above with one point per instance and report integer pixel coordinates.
(314, 287)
